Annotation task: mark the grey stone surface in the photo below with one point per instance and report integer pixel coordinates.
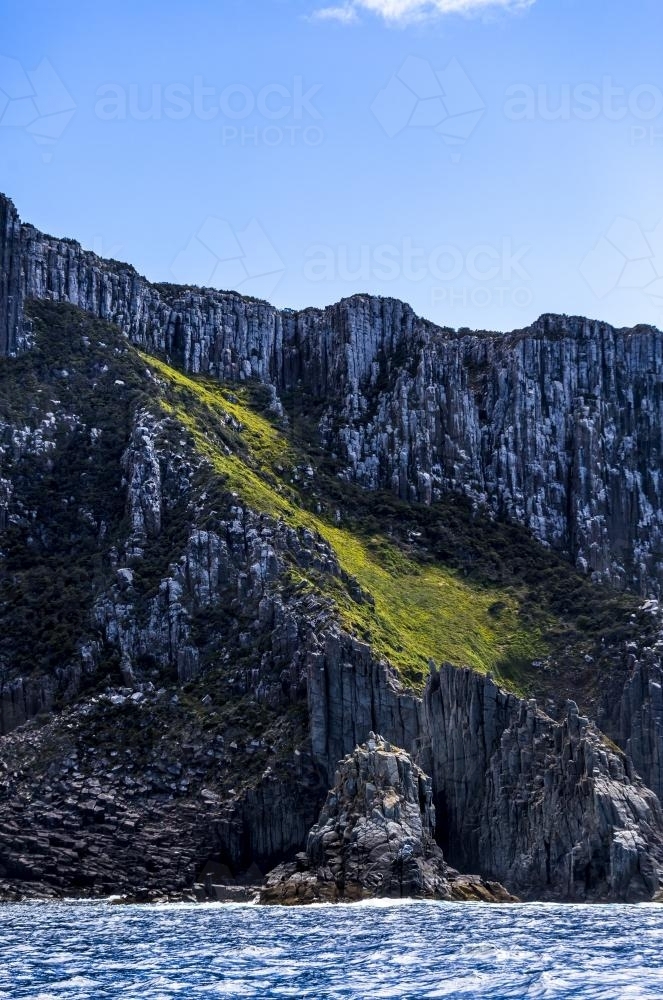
(548, 807)
(639, 727)
(10, 278)
(375, 838)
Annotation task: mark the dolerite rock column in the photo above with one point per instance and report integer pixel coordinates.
(374, 838)
(11, 306)
(547, 806)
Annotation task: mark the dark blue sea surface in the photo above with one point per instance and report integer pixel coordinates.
(407, 951)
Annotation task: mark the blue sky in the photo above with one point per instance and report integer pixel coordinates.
(485, 160)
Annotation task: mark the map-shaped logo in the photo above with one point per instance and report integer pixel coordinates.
(418, 96)
(36, 100)
(627, 257)
(220, 257)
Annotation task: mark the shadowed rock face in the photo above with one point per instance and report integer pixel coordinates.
(375, 838)
(544, 805)
(547, 806)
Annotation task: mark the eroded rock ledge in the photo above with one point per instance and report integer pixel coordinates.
(374, 838)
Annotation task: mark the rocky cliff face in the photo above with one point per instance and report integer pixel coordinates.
(548, 806)
(545, 806)
(641, 707)
(557, 426)
(184, 640)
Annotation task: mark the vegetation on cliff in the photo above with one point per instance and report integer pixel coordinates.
(416, 582)
(410, 611)
(176, 556)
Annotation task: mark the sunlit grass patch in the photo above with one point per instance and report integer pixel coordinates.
(417, 612)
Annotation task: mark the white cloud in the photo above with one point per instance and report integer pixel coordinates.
(345, 14)
(403, 11)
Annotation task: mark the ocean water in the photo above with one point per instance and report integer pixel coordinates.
(407, 951)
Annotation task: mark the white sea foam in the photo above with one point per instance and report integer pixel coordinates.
(382, 950)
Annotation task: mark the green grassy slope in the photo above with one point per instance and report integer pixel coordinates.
(412, 611)
(416, 582)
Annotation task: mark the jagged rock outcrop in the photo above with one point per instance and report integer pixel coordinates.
(565, 807)
(375, 838)
(545, 806)
(640, 725)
